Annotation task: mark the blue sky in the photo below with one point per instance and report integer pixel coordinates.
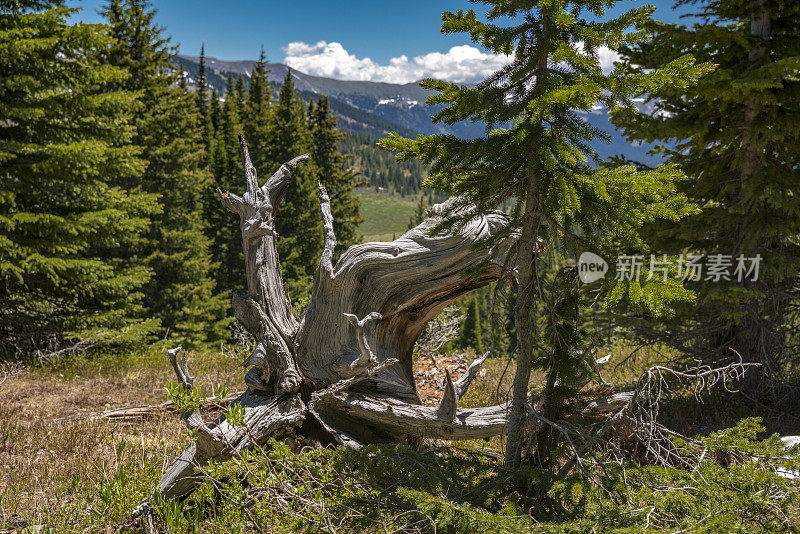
(354, 39)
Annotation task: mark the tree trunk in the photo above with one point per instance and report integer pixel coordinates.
(346, 364)
(523, 319)
(756, 335)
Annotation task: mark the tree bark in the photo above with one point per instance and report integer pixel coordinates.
(756, 334)
(526, 258)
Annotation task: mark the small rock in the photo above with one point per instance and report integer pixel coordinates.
(790, 441)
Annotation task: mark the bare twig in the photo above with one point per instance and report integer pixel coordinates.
(439, 331)
(640, 414)
(53, 353)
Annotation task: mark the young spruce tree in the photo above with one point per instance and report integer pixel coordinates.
(205, 103)
(181, 292)
(332, 171)
(738, 140)
(537, 154)
(64, 140)
(256, 120)
(201, 95)
(297, 222)
(470, 335)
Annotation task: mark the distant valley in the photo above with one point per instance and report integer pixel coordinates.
(370, 110)
(375, 108)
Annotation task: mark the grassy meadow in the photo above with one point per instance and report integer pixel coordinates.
(64, 469)
(385, 214)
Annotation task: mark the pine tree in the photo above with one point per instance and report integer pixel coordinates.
(227, 175)
(257, 114)
(215, 115)
(201, 96)
(65, 140)
(537, 154)
(181, 294)
(419, 213)
(470, 335)
(299, 226)
(206, 107)
(739, 143)
(332, 172)
(240, 94)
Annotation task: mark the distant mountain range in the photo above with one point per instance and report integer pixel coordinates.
(375, 108)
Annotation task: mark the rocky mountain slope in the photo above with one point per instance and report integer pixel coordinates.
(376, 108)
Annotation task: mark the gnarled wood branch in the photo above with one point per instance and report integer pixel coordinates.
(264, 417)
(404, 418)
(367, 357)
(472, 371)
(209, 441)
(326, 260)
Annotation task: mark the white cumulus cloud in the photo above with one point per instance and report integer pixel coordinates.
(459, 64)
(607, 58)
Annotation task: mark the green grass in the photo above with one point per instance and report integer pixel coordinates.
(62, 470)
(86, 475)
(385, 215)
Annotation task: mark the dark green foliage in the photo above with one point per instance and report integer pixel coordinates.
(206, 107)
(181, 292)
(66, 165)
(331, 170)
(735, 134)
(240, 95)
(227, 176)
(215, 112)
(201, 96)
(257, 116)
(470, 335)
(297, 219)
(495, 307)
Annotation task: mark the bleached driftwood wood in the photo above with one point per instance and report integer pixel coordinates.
(608, 404)
(136, 413)
(266, 311)
(350, 354)
(210, 441)
(472, 371)
(367, 357)
(264, 417)
(406, 418)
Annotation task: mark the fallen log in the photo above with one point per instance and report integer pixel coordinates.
(347, 360)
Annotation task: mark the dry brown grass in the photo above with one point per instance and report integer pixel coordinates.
(63, 468)
(60, 467)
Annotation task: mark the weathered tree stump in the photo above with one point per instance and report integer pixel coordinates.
(344, 368)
